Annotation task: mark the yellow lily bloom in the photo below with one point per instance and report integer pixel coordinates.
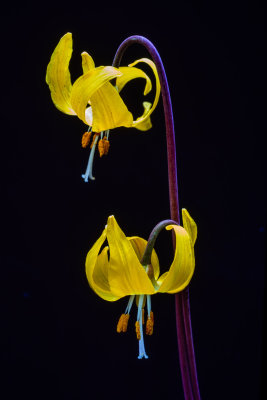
(94, 99)
(116, 271)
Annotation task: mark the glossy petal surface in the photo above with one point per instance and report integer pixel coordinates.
(87, 62)
(189, 225)
(129, 73)
(146, 124)
(139, 246)
(109, 110)
(97, 270)
(154, 69)
(126, 275)
(182, 267)
(88, 84)
(58, 75)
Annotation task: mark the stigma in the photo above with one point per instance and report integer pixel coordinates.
(103, 148)
(122, 325)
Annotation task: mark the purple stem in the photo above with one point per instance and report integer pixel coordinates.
(182, 306)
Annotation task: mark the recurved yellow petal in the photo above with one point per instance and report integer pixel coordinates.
(108, 109)
(182, 267)
(139, 246)
(129, 73)
(154, 69)
(87, 62)
(96, 267)
(58, 75)
(146, 123)
(126, 275)
(189, 225)
(88, 84)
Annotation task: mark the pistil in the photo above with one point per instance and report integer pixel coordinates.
(139, 329)
(89, 169)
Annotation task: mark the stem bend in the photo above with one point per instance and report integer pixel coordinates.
(182, 306)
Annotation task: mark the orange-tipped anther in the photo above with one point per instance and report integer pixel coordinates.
(137, 330)
(123, 323)
(143, 316)
(151, 316)
(106, 145)
(150, 324)
(86, 139)
(101, 147)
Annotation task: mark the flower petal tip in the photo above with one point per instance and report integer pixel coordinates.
(169, 227)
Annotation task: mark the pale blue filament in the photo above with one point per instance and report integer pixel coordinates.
(129, 305)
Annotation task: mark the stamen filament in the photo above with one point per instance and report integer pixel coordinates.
(129, 305)
(148, 299)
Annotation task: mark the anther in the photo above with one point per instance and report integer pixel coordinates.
(86, 138)
(101, 147)
(150, 324)
(123, 323)
(137, 330)
(106, 145)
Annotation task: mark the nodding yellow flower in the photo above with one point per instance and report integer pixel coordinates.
(93, 98)
(116, 271)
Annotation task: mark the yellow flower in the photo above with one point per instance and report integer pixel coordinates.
(93, 98)
(116, 271)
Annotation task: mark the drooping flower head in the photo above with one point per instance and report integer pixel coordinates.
(94, 99)
(116, 271)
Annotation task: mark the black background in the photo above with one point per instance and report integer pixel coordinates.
(59, 339)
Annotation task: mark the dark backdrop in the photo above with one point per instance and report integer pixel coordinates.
(59, 339)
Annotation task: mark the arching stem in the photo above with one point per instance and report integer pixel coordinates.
(182, 306)
(146, 259)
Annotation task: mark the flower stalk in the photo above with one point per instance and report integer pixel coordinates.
(182, 304)
(146, 259)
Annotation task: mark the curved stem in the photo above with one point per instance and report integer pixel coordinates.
(146, 259)
(183, 320)
(170, 135)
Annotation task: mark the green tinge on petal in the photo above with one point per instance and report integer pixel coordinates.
(146, 124)
(87, 62)
(108, 109)
(183, 265)
(139, 246)
(154, 69)
(85, 86)
(96, 267)
(126, 274)
(189, 225)
(129, 73)
(58, 75)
